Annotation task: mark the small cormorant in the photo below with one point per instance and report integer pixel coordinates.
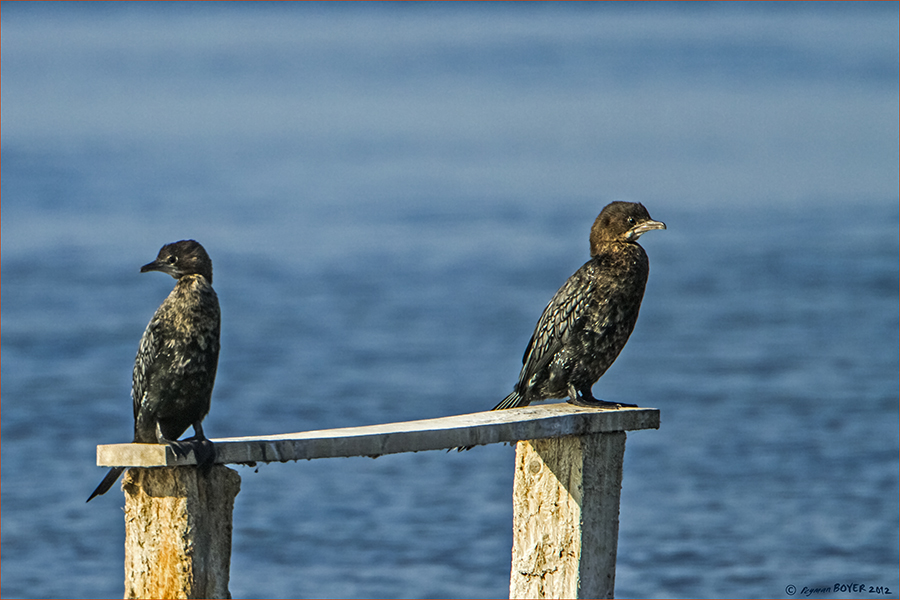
(586, 324)
(175, 367)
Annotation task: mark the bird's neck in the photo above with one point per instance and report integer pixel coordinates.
(613, 246)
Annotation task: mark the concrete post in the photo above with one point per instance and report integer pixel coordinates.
(178, 531)
(566, 516)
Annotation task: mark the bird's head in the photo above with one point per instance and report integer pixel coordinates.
(178, 259)
(621, 222)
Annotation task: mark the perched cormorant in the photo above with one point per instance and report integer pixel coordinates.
(175, 367)
(586, 324)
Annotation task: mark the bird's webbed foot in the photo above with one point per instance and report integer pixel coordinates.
(203, 449)
(587, 400)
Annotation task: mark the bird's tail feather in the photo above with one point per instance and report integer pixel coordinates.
(107, 482)
(514, 400)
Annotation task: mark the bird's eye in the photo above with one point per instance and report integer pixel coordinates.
(172, 260)
(631, 220)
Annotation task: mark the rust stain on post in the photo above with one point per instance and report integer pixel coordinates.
(178, 532)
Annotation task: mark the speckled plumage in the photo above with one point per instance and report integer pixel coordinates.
(175, 367)
(589, 320)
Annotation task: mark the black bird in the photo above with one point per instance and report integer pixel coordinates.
(175, 367)
(586, 324)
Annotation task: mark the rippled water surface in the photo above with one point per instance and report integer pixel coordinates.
(390, 195)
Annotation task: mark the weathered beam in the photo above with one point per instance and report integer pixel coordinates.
(566, 516)
(178, 531)
(566, 495)
(527, 423)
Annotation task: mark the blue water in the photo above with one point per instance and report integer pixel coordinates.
(390, 195)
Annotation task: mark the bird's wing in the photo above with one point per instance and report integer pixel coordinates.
(148, 350)
(560, 319)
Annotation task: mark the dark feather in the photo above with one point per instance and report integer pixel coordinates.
(588, 321)
(175, 367)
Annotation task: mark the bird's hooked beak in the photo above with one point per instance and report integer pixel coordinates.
(162, 266)
(641, 228)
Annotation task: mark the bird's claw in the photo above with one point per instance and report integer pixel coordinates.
(594, 403)
(203, 449)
